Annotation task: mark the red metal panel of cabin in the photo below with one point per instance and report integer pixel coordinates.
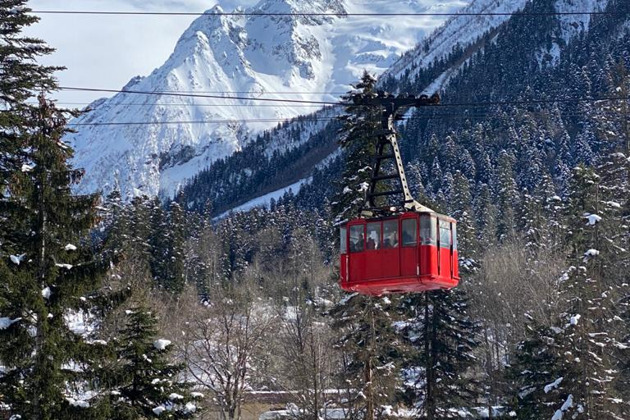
(357, 267)
(389, 259)
(428, 260)
(409, 261)
(445, 263)
(374, 265)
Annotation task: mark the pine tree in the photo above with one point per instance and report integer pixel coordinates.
(587, 337)
(358, 142)
(51, 266)
(444, 339)
(537, 373)
(507, 195)
(20, 77)
(462, 211)
(174, 269)
(146, 384)
(486, 217)
(369, 346)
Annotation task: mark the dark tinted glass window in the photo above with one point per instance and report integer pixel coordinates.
(428, 230)
(390, 233)
(445, 234)
(373, 239)
(409, 232)
(357, 238)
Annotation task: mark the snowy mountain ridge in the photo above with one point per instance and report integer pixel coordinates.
(152, 143)
(465, 30)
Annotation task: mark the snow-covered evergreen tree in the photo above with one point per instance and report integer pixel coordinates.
(358, 142)
(21, 77)
(537, 372)
(145, 382)
(369, 348)
(51, 268)
(440, 381)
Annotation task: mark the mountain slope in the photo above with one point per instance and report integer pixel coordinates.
(535, 57)
(298, 57)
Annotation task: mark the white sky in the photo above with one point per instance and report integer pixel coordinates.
(106, 51)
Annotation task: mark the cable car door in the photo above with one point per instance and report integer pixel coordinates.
(409, 252)
(390, 253)
(356, 259)
(445, 250)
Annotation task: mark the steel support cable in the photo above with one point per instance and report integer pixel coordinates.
(331, 14)
(344, 104)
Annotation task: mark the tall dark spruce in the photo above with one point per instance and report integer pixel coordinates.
(370, 350)
(358, 143)
(145, 383)
(363, 323)
(439, 370)
(51, 271)
(20, 76)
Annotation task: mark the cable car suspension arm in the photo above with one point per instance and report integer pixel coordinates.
(392, 106)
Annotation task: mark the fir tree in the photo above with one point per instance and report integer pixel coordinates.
(462, 211)
(507, 195)
(358, 142)
(369, 347)
(537, 374)
(444, 339)
(146, 384)
(174, 271)
(51, 266)
(20, 77)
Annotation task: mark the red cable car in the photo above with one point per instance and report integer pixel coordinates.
(412, 252)
(396, 246)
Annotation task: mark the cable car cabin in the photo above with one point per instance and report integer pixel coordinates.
(375, 261)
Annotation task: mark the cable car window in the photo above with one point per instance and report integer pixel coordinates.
(373, 238)
(409, 232)
(445, 234)
(357, 238)
(454, 229)
(390, 233)
(428, 234)
(343, 241)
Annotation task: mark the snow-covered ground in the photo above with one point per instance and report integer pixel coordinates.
(265, 200)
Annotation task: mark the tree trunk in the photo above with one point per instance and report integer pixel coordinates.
(430, 410)
(369, 415)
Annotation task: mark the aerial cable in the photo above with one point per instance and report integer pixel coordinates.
(426, 117)
(345, 104)
(192, 95)
(315, 14)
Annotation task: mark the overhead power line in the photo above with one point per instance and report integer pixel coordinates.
(436, 117)
(304, 101)
(306, 14)
(194, 95)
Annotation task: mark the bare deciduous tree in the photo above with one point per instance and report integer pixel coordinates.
(222, 345)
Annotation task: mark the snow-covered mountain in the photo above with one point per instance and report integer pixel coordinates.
(484, 40)
(152, 143)
(482, 17)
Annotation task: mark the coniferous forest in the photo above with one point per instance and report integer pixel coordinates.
(159, 308)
